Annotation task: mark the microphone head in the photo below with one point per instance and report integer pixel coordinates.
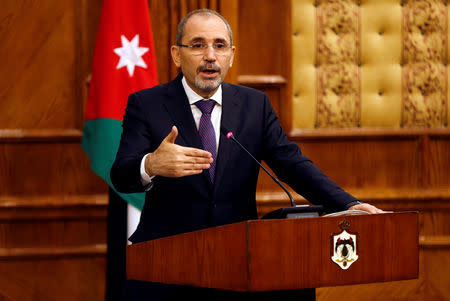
(229, 135)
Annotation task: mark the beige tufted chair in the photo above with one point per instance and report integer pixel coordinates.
(370, 63)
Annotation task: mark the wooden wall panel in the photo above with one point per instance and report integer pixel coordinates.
(262, 37)
(52, 248)
(431, 285)
(162, 25)
(367, 163)
(38, 37)
(52, 206)
(52, 234)
(53, 279)
(439, 170)
(45, 169)
(263, 50)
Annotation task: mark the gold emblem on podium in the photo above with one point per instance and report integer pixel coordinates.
(344, 252)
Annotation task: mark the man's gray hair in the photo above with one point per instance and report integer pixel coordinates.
(202, 12)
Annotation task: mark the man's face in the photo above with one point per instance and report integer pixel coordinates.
(205, 70)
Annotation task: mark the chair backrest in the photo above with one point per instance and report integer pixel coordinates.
(369, 63)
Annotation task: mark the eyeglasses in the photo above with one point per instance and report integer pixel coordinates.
(200, 48)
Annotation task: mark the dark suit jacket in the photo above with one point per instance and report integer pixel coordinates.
(176, 205)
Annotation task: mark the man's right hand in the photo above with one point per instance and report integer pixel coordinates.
(172, 160)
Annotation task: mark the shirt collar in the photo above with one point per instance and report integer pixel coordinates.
(194, 97)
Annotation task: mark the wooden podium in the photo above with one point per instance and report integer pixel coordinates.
(288, 254)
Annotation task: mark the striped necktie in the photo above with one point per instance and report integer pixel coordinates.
(206, 131)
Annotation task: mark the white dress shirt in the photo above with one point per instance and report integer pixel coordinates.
(216, 116)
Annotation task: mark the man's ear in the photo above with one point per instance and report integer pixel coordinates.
(175, 51)
(233, 49)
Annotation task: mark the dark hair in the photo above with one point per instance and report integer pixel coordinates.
(202, 12)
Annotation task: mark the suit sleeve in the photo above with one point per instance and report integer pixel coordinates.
(294, 168)
(134, 145)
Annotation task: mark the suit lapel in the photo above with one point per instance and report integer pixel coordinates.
(180, 111)
(229, 122)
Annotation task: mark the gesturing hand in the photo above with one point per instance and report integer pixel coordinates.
(172, 160)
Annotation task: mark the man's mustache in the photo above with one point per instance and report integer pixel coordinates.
(209, 67)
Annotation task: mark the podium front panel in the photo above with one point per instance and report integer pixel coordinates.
(266, 255)
(301, 250)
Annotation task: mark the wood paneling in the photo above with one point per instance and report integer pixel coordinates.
(51, 279)
(370, 163)
(39, 36)
(52, 206)
(439, 161)
(162, 33)
(45, 169)
(431, 285)
(263, 48)
(52, 233)
(52, 248)
(262, 30)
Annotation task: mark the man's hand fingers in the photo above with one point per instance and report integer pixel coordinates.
(367, 207)
(187, 169)
(195, 155)
(195, 152)
(197, 160)
(196, 166)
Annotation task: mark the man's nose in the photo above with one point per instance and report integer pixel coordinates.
(209, 54)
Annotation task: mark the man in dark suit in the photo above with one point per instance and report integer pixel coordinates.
(174, 148)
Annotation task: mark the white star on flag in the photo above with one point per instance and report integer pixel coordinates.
(131, 54)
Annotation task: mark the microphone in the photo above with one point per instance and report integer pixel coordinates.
(291, 212)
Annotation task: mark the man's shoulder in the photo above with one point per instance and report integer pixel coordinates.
(153, 91)
(243, 90)
(162, 91)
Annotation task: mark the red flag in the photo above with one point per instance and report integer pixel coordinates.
(125, 28)
(124, 62)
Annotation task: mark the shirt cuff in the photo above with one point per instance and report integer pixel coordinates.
(353, 204)
(146, 180)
